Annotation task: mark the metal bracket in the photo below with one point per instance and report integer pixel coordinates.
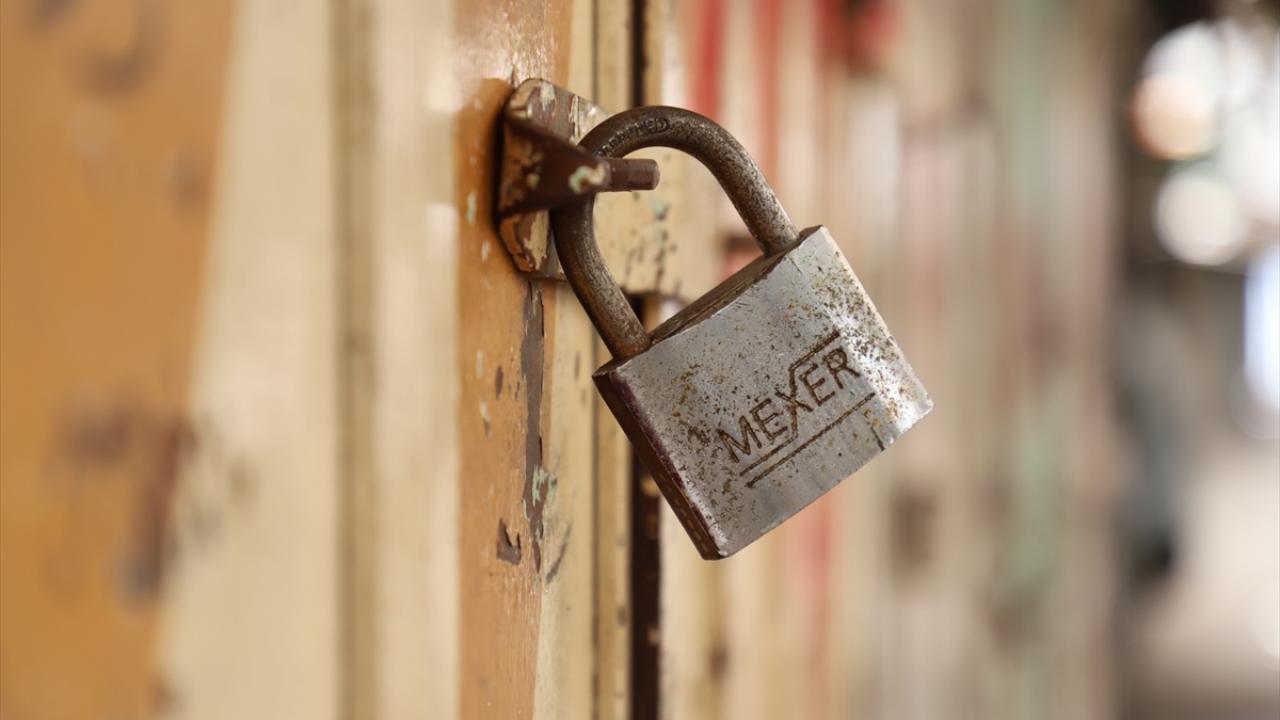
(542, 168)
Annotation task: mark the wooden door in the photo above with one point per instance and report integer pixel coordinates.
(286, 434)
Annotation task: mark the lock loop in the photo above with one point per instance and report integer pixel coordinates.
(688, 132)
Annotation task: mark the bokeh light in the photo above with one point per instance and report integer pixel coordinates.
(1198, 218)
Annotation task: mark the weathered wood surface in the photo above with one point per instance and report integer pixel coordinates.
(251, 623)
(395, 110)
(523, 350)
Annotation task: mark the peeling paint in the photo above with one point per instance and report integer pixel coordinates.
(508, 551)
(543, 481)
(471, 208)
(554, 570)
(123, 440)
(533, 366)
(586, 177)
(546, 95)
(658, 206)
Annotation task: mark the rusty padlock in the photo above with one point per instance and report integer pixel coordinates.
(763, 394)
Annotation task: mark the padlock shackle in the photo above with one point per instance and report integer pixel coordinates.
(714, 147)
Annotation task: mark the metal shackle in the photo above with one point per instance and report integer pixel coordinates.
(714, 147)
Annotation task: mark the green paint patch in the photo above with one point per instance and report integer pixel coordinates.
(544, 486)
(585, 176)
(658, 207)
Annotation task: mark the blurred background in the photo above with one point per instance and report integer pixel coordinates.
(286, 434)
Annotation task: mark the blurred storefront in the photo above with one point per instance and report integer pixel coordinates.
(1197, 365)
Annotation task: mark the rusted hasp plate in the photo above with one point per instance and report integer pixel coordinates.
(543, 168)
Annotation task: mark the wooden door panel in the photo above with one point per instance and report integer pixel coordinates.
(111, 142)
(526, 494)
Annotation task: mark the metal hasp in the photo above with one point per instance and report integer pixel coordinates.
(543, 167)
(766, 392)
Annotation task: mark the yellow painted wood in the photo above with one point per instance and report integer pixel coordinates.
(527, 499)
(109, 152)
(400, 316)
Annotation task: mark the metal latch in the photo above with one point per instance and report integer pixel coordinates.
(542, 167)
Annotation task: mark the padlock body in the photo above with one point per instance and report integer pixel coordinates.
(764, 394)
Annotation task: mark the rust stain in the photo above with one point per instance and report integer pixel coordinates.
(532, 364)
(718, 661)
(508, 551)
(188, 180)
(913, 520)
(119, 73)
(48, 12)
(554, 570)
(498, 42)
(145, 564)
(145, 450)
(165, 700)
(243, 484)
(96, 435)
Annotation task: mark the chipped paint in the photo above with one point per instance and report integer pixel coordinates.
(507, 550)
(145, 448)
(471, 208)
(658, 206)
(543, 481)
(547, 96)
(563, 548)
(586, 178)
(533, 365)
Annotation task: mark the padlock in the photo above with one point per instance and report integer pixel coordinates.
(762, 395)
